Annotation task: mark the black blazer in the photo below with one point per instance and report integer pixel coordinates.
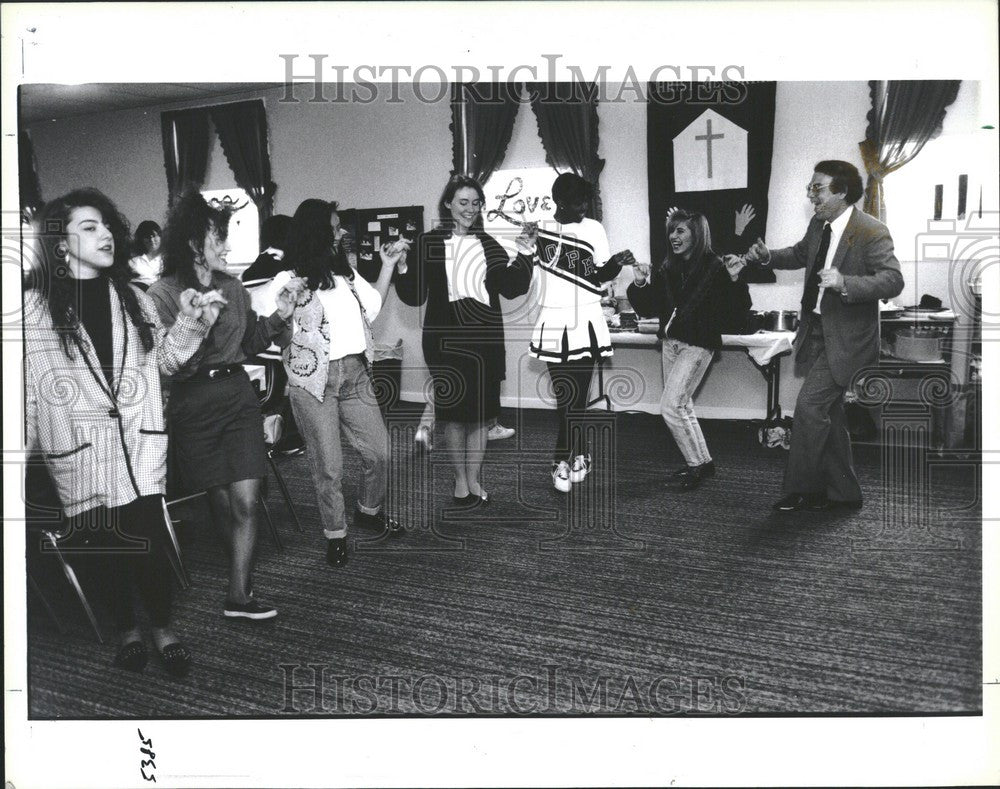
(426, 280)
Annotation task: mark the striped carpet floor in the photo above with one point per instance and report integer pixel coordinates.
(662, 603)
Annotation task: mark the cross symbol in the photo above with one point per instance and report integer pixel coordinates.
(708, 137)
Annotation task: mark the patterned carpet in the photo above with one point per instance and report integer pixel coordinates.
(626, 597)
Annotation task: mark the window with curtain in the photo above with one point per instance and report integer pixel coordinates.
(568, 126)
(242, 131)
(186, 144)
(482, 120)
(905, 116)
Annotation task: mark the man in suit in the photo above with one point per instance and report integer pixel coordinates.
(850, 265)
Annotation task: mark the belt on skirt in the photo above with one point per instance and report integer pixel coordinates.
(215, 373)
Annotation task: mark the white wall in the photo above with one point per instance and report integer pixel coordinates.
(385, 153)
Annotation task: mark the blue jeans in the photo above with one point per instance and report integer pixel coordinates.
(683, 368)
(349, 404)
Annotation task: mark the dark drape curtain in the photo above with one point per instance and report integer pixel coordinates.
(27, 171)
(567, 123)
(682, 108)
(242, 130)
(185, 148)
(482, 120)
(905, 114)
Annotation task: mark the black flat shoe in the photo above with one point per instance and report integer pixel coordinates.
(378, 523)
(470, 502)
(336, 552)
(132, 656)
(176, 659)
(789, 503)
(707, 470)
(794, 502)
(693, 479)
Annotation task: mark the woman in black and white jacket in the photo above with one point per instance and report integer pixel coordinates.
(94, 353)
(461, 272)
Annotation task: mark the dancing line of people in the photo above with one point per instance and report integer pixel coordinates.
(97, 344)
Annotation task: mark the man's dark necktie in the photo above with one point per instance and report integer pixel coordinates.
(812, 283)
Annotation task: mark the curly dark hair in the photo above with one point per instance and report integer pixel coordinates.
(52, 278)
(189, 221)
(144, 233)
(312, 250)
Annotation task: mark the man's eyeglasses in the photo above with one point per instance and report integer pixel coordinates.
(815, 189)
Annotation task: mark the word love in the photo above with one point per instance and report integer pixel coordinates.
(513, 206)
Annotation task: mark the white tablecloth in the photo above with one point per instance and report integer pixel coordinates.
(762, 346)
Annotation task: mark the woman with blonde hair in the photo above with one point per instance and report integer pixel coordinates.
(697, 296)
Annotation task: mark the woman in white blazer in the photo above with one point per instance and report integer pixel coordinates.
(94, 352)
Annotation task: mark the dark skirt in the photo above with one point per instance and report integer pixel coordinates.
(466, 364)
(216, 432)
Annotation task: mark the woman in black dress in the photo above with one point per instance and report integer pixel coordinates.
(461, 272)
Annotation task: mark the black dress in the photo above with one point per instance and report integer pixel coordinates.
(463, 340)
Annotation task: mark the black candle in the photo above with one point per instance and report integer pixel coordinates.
(938, 200)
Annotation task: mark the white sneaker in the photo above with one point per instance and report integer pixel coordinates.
(580, 470)
(498, 432)
(422, 438)
(560, 476)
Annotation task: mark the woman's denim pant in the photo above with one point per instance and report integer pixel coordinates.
(348, 404)
(683, 368)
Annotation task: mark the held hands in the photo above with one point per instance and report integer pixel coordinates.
(526, 240)
(734, 265)
(623, 258)
(640, 273)
(831, 278)
(758, 253)
(743, 218)
(394, 254)
(204, 307)
(288, 296)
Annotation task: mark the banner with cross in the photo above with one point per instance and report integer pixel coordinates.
(709, 150)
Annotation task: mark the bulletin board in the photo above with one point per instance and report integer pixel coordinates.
(372, 227)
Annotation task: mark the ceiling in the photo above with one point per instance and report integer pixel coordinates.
(48, 102)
